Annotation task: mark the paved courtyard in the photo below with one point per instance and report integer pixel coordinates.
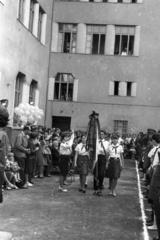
(44, 213)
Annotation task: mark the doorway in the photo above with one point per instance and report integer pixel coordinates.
(63, 123)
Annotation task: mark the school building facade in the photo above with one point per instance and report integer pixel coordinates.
(105, 57)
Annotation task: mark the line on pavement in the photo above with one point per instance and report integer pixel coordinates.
(145, 231)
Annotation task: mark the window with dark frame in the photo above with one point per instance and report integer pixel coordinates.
(120, 126)
(64, 87)
(31, 16)
(20, 10)
(67, 38)
(33, 87)
(41, 12)
(95, 43)
(124, 40)
(18, 89)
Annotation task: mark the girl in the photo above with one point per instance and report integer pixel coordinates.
(82, 162)
(65, 152)
(116, 162)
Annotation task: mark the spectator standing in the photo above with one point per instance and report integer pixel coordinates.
(4, 145)
(21, 151)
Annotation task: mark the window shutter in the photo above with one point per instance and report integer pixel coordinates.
(54, 37)
(25, 93)
(122, 89)
(35, 19)
(139, 1)
(134, 89)
(51, 89)
(137, 41)
(43, 32)
(111, 88)
(36, 97)
(110, 40)
(26, 12)
(75, 90)
(81, 38)
(84, 0)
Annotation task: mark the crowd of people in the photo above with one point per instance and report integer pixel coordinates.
(37, 150)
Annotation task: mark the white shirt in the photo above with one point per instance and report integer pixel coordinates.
(115, 151)
(106, 145)
(154, 157)
(81, 149)
(66, 147)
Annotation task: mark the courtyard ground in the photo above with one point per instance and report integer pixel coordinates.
(44, 213)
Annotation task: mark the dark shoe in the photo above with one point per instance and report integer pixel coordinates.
(99, 193)
(80, 190)
(66, 183)
(24, 187)
(84, 191)
(47, 175)
(156, 238)
(85, 185)
(95, 193)
(41, 176)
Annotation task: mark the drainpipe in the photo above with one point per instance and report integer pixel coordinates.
(45, 118)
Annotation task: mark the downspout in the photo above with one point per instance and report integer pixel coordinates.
(45, 118)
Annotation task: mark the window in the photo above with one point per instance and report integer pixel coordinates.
(95, 43)
(119, 1)
(120, 126)
(18, 89)
(33, 87)
(31, 16)
(117, 88)
(124, 40)
(20, 12)
(134, 1)
(64, 87)
(41, 12)
(67, 38)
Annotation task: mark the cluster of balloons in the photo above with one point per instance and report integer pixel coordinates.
(28, 113)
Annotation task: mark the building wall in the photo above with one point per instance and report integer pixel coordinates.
(20, 51)
(95, 71)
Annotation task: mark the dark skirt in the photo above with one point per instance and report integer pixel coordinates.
(154, 189)
(64, 164)
(82, 165)
(40, 157)
(29, 165)
(114, 168)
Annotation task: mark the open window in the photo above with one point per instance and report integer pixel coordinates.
(67, 38)
(124, 40)
(63, 90)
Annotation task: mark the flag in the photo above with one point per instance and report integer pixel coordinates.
(93, 136)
